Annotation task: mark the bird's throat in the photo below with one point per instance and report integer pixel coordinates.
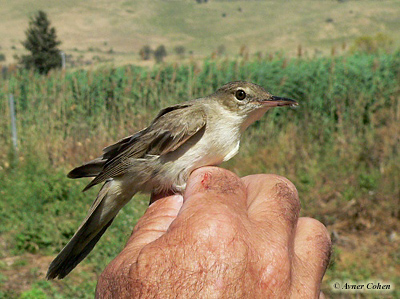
(252, 117)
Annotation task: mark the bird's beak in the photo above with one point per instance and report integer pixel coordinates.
(278, 101)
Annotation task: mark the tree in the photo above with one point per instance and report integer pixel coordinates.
(160, 53)
(145, 52)
(180, 51)
(41, 41)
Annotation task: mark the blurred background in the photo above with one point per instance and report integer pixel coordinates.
(79, 75)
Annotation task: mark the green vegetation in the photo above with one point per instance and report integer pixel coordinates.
(180, 51)
(145, 52)
(263, 26)
(372, 44)
(340, 148)
(159, 53)
(41, 41)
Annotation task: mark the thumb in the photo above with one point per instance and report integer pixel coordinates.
(154, 223)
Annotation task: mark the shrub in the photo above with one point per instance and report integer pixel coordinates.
(160, 53)
(372, 44)
(180, 51)
(145, 52)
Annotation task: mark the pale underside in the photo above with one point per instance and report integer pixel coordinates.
(157, 159)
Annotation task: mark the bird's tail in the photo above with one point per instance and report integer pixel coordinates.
(101, 214)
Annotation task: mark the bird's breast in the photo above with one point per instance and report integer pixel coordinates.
(217, 142)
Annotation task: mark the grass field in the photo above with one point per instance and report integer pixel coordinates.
(340, 148)
(93, 28)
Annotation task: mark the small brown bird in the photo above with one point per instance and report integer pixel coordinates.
(181, 138)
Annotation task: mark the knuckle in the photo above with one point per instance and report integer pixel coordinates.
(214, 225)
(317, 240)
(215, 179)
(285, 188)
(322, 240)
(282, 190)
(287, 195)
(319, 237)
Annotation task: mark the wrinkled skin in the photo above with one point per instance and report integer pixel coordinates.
(230, 238)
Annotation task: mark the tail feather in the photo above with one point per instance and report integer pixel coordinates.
(100, 216)
(89, 169)
(67, 260)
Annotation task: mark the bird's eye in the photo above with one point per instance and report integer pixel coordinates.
(240, 95)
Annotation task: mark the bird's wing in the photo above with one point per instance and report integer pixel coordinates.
(172, 127)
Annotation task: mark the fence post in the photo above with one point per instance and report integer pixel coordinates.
(62, 60)
(13, 122)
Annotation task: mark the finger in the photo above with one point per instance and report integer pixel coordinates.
(312, 249)
(214, 206)
(153, 224)
(213, 186)
(273, 204)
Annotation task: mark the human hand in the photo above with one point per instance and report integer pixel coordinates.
(225, 238)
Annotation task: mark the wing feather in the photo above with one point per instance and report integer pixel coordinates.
(171, 128)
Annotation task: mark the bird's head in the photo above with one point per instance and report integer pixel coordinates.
(249, 100)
